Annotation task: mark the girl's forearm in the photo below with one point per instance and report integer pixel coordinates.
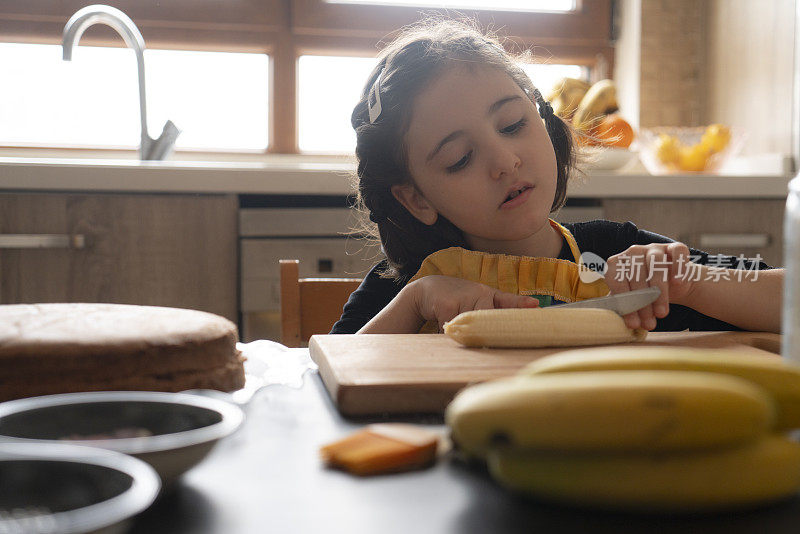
(398, 317)
(751, 300)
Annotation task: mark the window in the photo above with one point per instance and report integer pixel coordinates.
(256, 87)
(328, 89)
(511, 5)
(218, 100)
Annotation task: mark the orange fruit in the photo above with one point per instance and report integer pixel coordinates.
(613, 130)
(667, 149)
(716, 137)
(693, 158)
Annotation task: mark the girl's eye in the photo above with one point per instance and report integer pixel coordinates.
(460, 164)
(514, 128)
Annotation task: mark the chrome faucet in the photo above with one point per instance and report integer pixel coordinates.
(150, 149)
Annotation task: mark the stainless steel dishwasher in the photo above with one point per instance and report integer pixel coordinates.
(311, 229)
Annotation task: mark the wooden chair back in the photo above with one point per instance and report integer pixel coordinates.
(310, 305)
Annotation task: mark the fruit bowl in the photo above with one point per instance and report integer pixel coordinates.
(676, 150)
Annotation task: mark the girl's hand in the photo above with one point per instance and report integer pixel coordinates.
(440, 298)
(664, 265)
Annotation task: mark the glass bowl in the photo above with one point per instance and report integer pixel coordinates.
(686, 150)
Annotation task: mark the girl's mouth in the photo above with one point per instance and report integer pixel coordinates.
(517, 197)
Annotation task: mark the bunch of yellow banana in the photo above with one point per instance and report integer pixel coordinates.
(566, 96)
(592, 111)
(583, 104)
(599, 100)
(647, 428)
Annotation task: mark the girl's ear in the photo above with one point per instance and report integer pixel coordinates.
(411, 198)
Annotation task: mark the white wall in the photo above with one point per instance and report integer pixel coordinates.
(627, 59)
(750, 65)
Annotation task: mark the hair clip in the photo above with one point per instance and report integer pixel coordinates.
(374, 100)
(545, 109)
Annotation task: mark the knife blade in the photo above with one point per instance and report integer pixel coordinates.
(621, 303)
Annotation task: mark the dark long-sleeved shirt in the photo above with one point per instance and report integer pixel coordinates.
(604, 238)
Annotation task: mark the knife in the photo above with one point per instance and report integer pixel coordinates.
(621, 303)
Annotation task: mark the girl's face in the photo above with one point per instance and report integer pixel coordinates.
(479, 155)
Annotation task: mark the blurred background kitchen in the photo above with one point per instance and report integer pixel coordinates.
(261, 92)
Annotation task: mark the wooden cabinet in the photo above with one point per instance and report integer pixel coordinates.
(164, 250)
(717, 226)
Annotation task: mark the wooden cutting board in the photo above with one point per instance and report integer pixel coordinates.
(420, 373)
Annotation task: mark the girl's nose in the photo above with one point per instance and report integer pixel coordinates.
(504, 162)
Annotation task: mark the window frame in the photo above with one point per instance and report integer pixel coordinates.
(287, 29)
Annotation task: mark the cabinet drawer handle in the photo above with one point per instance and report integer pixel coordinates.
(710, 241)
(42, 241)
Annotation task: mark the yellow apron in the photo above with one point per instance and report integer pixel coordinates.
(550, 280)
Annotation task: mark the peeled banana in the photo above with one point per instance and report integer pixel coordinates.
(540, 327)
(600, 99)
(610, 411)
(780, 379)
(566, 95)
(765, 470)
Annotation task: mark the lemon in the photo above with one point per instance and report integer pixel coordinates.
(716, 138)
(667, 149)
(693, 158)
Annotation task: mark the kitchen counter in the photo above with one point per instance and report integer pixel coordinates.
(763, 177)
(268, 478)
(117, 175)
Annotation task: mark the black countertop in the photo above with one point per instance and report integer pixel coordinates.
(268, 478)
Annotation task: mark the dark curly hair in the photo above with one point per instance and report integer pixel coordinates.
(406, 66)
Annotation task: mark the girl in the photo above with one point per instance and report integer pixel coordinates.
(460, 163)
